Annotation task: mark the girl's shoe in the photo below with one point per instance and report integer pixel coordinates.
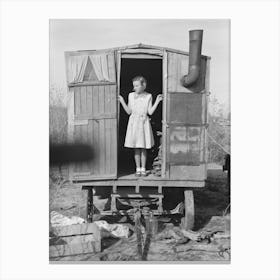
(143, 172)
(138, 173)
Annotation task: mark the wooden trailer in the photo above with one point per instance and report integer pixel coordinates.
(95, 78)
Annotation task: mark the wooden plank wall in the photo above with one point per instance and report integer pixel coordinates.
(97, 105)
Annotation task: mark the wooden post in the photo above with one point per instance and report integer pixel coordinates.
(137, 217)
(160, 208)
(164, 110)
(113, 203)
(89, 205)
(188, 222)
(70, 128)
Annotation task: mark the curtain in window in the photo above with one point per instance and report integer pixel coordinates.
(76, 68)
(100, 66)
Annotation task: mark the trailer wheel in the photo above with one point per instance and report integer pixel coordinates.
(187, 222)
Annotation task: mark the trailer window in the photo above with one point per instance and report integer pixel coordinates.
(91, 68)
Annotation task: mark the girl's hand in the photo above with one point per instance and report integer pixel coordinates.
(121, 99)
(159, 98)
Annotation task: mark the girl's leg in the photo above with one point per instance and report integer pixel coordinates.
(137, 158)
(143, 158)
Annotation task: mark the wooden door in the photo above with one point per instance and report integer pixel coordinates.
(95, 124)
(186, 120)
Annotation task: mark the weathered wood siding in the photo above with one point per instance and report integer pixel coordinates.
(95, 123)
(186, 118)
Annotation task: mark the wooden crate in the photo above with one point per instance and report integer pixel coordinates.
(75, 240)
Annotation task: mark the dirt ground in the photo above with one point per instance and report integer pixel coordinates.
(210, 216)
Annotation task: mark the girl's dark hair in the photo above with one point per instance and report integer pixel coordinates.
(141, 79)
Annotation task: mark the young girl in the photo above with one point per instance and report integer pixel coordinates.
(139, 133)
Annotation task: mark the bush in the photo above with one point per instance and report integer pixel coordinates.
(58, 124)
(57, 128)
(219, 130)
(57, 116)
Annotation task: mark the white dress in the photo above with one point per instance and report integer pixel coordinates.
(139, 132)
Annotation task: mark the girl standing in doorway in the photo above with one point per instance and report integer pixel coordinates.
(139, 134)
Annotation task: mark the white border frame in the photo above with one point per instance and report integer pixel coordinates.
(255, 138)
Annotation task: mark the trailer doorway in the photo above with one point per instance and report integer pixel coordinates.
(151, 69)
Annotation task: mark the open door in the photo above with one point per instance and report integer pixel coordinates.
(94, 111)
(151, 68)
(185, 123)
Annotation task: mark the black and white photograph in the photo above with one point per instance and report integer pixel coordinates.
(139, 139)
(139, 129)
